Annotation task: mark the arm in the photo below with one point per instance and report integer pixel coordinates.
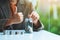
(37, 25)
(16, 19)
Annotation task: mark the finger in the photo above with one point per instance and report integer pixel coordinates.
(20, 14)
(30, 14)
(36, 15)
(15, 11)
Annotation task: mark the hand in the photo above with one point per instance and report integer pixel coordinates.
(15, 19)
(18, 18)
(35, 17)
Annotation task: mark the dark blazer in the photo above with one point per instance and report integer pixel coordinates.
(4, 13)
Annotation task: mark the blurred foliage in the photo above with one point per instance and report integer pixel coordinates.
(58, 9)
(51, 11)
(55, 26)
(50, 22)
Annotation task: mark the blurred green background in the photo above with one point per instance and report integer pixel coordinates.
(49, 12)
(50, 24)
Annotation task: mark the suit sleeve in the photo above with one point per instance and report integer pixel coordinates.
(2, 20)
(38, 27)
(2, 17)
(4, 14)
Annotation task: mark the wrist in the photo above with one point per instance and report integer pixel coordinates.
(35, 23)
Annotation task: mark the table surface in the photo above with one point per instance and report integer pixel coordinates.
(41, 35)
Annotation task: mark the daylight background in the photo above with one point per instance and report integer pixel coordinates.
(49, 11)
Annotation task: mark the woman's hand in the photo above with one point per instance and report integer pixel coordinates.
(15, 19)
(35, 17)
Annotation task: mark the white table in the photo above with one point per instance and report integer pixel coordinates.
(41, 35)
